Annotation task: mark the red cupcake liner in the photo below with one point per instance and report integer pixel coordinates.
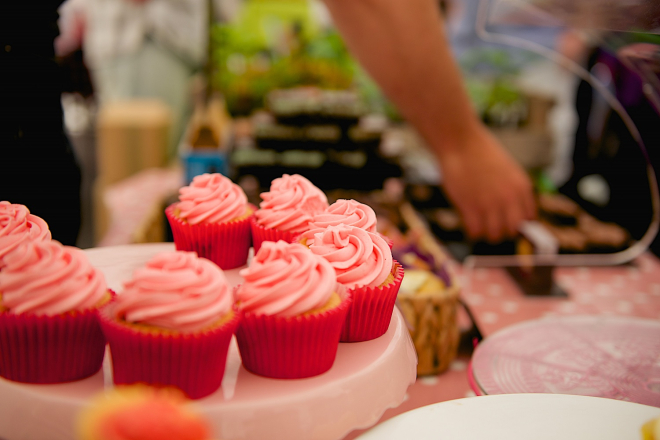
(371, 311)
(226, 244)
(261, 234)
(193, 362)
(50, 349)
(291, 348)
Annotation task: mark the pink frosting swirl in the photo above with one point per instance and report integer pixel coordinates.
(290, 204)
(360, 258)
(348, 212)
(211, 198)
(46, 278)
(177, 291)
(18, 225)
(285, 280)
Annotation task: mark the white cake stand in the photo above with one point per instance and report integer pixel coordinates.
(366, 379)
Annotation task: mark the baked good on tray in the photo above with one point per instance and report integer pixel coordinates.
(602, 236)
(558, 209)
(576, 230)
(172, 324)
(212, 218)
(49, 331)
(294, 311)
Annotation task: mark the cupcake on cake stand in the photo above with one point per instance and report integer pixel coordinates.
(366, 379)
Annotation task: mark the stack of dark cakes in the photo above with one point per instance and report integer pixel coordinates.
(318, 134)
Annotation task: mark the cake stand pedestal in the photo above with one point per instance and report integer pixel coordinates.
(366, 379)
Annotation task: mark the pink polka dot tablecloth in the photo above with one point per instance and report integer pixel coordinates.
(497, 302)
(600, 356)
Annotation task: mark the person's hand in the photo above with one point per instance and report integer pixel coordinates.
(490, 190)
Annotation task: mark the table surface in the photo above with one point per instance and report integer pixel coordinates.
(629, 290)
(497, 303)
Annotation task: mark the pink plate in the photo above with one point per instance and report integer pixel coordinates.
(366, 379)
(600, 356)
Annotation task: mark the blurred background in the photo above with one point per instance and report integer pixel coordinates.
(159, 91)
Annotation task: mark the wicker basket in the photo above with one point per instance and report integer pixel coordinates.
(432, 322)
(431, 313)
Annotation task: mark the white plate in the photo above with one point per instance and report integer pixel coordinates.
(519, 417)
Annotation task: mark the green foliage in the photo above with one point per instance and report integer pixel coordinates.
(543, 183)
(489, 75)
(275, 45)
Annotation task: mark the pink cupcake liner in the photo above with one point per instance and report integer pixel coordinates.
(291, 348)
(226, 244)
(50, 349)
(193, 362)
(261, 234)
(371, 311)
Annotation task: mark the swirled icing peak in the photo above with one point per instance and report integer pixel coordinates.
(290, 204)
(348, 212)
(17, 225)
(286, 280)
(176, 291)
(211, 198)
(46, 278)
(360, 258)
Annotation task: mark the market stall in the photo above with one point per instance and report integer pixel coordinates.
(295, 261)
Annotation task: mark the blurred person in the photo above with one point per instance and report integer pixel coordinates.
(404, 47)
(37, 165)
(147, 49)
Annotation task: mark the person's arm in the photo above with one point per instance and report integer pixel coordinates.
(402, 44)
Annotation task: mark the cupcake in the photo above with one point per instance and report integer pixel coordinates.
(172, 324)
(293, 312)
(18, 225)
(364, 265)
(141, 413)
(212, 218)
(350, 213)
(286, 210)
(49, 331)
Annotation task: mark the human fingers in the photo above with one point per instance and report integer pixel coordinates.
(526, 197)
(514, 214)
(472, 223)
(529, 204)
(494, 225)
